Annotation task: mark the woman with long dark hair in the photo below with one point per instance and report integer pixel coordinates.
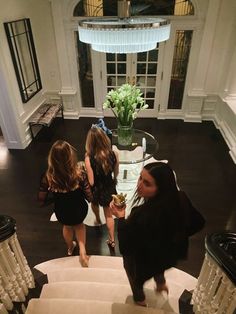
(69, 186)
(151, 239)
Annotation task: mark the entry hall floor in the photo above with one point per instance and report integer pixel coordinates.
(197, 153)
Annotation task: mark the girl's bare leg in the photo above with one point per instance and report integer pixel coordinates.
(95, 209)
(80, 233)
(68, 235)
(110, 223)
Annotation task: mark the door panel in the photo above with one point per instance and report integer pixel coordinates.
(142, 69)
(183, 40)
(116, 70)
(85, 72)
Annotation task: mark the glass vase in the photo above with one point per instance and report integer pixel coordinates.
(125, 134)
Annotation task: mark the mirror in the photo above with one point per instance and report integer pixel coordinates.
(21, 44)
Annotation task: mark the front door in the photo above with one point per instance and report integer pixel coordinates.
(141, 69)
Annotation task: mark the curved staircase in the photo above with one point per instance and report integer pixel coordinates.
(102, 288)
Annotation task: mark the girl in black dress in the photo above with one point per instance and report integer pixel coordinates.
(69, 185)
(102, 166)
(152, 238)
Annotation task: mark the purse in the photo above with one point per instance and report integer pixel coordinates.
(193, 219)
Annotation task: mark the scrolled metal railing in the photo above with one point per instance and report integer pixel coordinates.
(216, 291)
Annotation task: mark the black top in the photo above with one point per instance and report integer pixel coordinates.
(71, 207)
(154, 236)
(104, 184)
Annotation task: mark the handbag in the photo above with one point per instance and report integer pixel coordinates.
(193, 219)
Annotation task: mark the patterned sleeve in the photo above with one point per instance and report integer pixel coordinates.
(43, 186)
(43, 190)
(85, 186)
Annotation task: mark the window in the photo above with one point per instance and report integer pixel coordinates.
(138, 7)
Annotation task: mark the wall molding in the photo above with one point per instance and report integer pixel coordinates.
(222, 112)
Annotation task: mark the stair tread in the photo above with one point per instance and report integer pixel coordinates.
(62, 306)
(95, 261)
(105, 276)
(89, 274)
(174, 276)
(106, 292)
(86, 290)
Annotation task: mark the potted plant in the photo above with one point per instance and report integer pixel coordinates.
(125, 102)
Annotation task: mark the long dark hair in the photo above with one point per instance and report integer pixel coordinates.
(163, 176)
(62, 173)
(98, 145)
(165, 181)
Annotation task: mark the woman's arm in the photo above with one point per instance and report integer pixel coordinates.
(116, 169)
(89, 171)
(85, 186)
(43, 190)
(126, 230)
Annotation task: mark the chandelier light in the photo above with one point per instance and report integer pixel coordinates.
(123, 34)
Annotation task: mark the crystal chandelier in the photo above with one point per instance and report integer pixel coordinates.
(123, 34)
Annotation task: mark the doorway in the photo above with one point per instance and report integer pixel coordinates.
(100, 72)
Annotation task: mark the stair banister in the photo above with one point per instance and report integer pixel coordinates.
(15, 275)
(215, 291)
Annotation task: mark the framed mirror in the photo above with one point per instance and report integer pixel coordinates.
(21, 44)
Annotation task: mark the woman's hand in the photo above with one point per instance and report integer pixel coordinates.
(118, 212)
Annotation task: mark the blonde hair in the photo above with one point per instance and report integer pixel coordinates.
(62, 173)
(98, 145)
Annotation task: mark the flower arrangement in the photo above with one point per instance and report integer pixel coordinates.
(125, 102)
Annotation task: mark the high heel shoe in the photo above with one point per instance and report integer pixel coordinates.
(162, 287)
(71, 250)
(111, 243)
(84, 261)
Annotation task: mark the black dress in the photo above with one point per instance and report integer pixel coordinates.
(104, 184)
(71, 207)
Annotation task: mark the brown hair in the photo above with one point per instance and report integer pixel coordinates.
(62, 173)
(98, 145)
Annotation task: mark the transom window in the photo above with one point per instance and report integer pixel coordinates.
(138, 7)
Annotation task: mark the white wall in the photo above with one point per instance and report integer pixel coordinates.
(40, 16)
(212, 95)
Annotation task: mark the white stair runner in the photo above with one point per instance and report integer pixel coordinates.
(62, 306)
(103, 286)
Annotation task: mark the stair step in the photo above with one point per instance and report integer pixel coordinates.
(106, 275)
(95, 261)
(72, 306)
(86, 290)
(111, 262)
(174, 276)
(95, 291)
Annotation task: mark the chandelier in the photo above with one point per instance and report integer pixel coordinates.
(123, 34)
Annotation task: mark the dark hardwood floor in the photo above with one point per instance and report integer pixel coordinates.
(197, 152)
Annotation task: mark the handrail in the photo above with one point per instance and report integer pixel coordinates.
(222, 248)
(7, 227)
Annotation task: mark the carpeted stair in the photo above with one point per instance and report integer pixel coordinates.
(102, 288)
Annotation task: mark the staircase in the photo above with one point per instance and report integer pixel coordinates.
(102, 288)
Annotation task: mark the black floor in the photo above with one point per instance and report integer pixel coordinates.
(197, 152)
